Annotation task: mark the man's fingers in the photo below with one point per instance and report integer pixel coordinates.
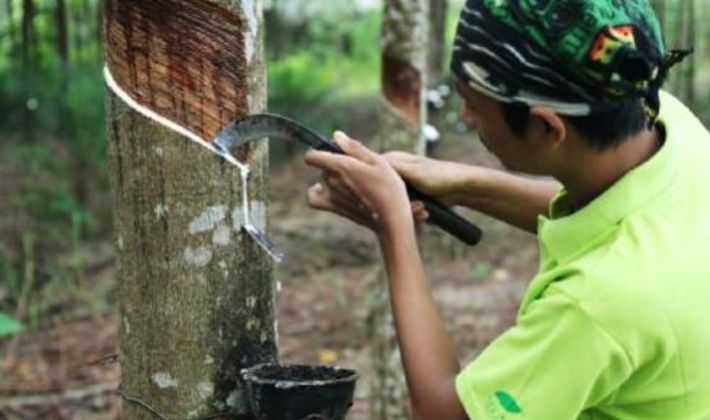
(320, 198)
(419, 211)
(327, 161)
(404, 163)
(354, 148)
(340, 191)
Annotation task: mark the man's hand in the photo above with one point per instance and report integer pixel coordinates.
(507, 197)
(442, 180)
(361, 186)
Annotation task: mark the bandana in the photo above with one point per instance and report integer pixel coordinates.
(576, 57)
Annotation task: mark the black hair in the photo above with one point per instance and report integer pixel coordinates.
(601, 130)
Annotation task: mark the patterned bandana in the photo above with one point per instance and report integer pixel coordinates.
(576, 57)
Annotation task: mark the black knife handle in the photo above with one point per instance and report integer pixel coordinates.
(445, 218)
(439, 214)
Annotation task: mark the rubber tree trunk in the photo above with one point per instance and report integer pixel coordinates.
(437, 37)
(28, 15)
(9, 11)
(682, 77)
(404, 80)
(196, 294)
(28, 65)
(690, 66)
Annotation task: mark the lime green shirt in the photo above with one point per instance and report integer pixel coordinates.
(616, 325)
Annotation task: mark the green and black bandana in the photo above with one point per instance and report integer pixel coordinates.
(576, 57)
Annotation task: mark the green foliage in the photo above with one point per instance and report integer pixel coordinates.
(337, 61)
(300, 80)
(9, 325)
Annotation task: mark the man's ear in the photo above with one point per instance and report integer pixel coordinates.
(547, 126)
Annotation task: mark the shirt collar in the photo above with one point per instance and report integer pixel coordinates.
(564, 235)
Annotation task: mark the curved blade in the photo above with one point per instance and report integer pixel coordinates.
(258, 126)
(255, 127)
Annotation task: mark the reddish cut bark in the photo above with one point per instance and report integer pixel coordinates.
(402, 87)
(184, 59)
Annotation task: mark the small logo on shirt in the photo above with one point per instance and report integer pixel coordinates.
(508, 402)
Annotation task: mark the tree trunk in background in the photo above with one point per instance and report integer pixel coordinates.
(28, 16)
(62, 44)
(404, 80)
(690, 69)
(682, 77)
(437, 39)
(62, 40)
(196, 293)
(28, 61)
(11, 27)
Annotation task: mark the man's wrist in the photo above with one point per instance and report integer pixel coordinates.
(395, 226)
(474, 183)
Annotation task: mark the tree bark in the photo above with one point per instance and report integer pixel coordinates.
(9, 9)
(28, 66)
(196, 293)
(404, 80)
(62, 41)
(62, 45)
(28, 16)
(437, 39)
(690, 69)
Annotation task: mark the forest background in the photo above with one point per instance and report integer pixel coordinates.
(57, 259)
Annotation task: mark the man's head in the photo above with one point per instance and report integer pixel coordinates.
(531, 139)
(592, 67)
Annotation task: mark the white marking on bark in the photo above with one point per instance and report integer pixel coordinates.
(161, 210)
(209, 360)
(164, 380)
(119, 243)
(222, 236)
(251, 302)
(205, 389)
(126, 325)
(278, 286)
(208, 219)
(159, 151)
(199, 257)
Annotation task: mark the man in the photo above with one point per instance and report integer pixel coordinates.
(615, 325)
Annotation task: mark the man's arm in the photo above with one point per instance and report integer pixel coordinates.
(427, 351)
(513, 199)
(365, 188)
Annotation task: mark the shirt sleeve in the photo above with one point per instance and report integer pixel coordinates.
(553, 364)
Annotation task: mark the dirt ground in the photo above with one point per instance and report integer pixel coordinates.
(69, 370)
